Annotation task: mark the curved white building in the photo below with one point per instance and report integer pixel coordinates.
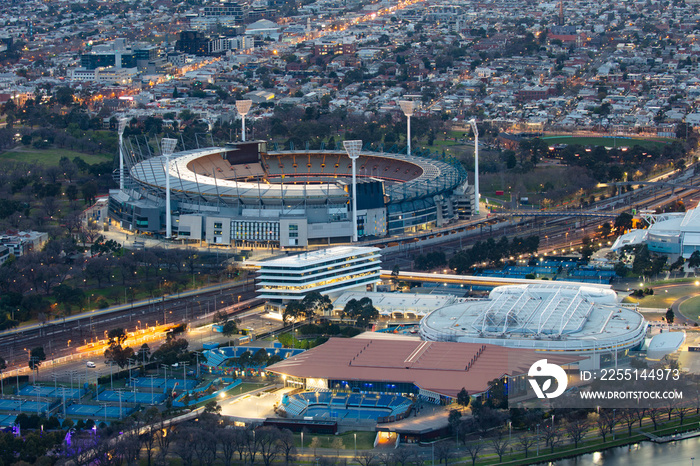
(580, 320)
(673, 234)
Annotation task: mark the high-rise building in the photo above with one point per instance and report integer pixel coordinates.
(237, 10)
(192, 42)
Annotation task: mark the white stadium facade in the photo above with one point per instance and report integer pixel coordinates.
(672, 234)
(583, 321)
(244, 194)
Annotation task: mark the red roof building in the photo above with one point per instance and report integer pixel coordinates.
(424, 367)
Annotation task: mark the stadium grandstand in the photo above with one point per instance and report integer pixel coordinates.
(247, 195)
(585, 321)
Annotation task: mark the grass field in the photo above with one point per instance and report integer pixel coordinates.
(365, 441)
(50, 156)
(608, 141)
(244, 387)
(691, 308)
(662, 299)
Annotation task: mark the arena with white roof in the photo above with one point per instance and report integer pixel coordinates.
(580, 320)
(672, 234)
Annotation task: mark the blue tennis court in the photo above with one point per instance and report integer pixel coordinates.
(145, 382)
(51, 392)
(97, 411)
(131, 397)
(7, 421)
(24, 406)
(323, 412)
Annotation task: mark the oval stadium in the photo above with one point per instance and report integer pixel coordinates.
(583, 321)
(244, 194)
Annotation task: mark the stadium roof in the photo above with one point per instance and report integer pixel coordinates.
(386, 303)
(542, 316)
(440, 367)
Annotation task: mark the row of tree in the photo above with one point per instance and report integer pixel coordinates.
(492, 251)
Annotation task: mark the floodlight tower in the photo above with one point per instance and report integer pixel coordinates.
(243, 107)
(122, 125)
(353, 149)
(472, 122)
(167, 147)
(407, 109)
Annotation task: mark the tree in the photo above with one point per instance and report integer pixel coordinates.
(229, 329)
(36, 356)
(474, 448)
(624, 222)
(316, 303)
(395, 274)
(454, 420)
(184, 438)
(463, 398)
(694, 259)
(526, 442)
(629, 417)
(365, 458)
(286, 441)
(227, 438)
(362, 311)
(670, 316)
(293, 311)
(116, 352)
(148, 435)
(654, 415)
(337, 445)
(212, 407)
(500, 445)
(164, 437)
(444, 451)
(576, 429)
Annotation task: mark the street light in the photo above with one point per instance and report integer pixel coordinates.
(243, 107)
(472, 122)
(353, 149)
(167, 148)
(122, 125)
(407, 109)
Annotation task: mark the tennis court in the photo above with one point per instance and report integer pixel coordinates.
(97, 411)
(131, 397)
(323, 412)
(52, 392)
(24, 406)
(159, 382)
(7, 420)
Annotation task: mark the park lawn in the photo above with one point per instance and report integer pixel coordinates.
(662, 300)
(608, 141)
(691, 308)
(51, 156)
(365, 441)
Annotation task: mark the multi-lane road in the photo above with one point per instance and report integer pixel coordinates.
(61, 339)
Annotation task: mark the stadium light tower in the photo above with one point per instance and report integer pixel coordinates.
(472, 122)
(353, 149)
(243, 107)
(122, 125)
(167, 147)
(407, 109)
